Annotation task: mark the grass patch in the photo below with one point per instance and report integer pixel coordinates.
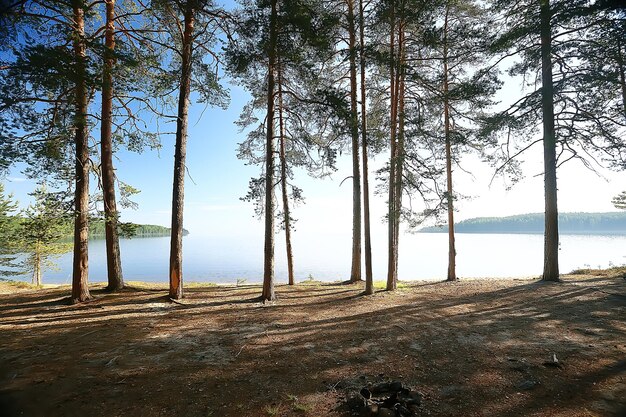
(272, 410)
(302, 408)
(615, 271)
(17, 284)
(381, 285)
(196, 284)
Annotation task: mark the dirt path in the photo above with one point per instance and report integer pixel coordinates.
(472, 348)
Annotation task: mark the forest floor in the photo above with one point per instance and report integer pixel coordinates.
(471, 348)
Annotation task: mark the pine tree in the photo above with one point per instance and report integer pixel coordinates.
(369, 280)
(50, 71)
(190, 30)
(114, 263)
(44, 102)
(619, 201)
(277, 47)
(546, 37)
(42, 229)
(9, 235)
(459, 94)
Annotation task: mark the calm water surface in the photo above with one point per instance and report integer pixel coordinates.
(422, 256)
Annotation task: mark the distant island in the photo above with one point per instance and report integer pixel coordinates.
(569, 223)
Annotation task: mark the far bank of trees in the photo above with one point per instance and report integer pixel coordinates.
(415, 79)
(572, 223)
(34, 237)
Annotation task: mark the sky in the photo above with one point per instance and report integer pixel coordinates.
(217, 180)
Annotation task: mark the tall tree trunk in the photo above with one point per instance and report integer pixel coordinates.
(551, 237)
(355, 274)
(268, 264)
(114, 264)
(369, 280)
(37, 267)
(178, 190)
(392, 249)
(80, 271)
(446, 121)
(400, 71)
(622, 75)
(283, 180)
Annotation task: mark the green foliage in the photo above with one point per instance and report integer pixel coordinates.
(9, 231)
(619, 201)
(303, 41)
(129, 230)
(44, 225)
(586, 54)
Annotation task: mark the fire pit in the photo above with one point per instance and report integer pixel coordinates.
(384, 399)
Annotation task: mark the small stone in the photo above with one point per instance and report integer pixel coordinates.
(519, 367)
(402, 411)
(385, 387)
(527, 385)
(553, 362)
(371, 410)
(451, 391)
(411, 397)
(355, 401)
(386, 412)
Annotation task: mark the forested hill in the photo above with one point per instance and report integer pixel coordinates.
(573, 223)
(96, 230)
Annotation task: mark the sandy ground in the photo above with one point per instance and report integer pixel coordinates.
(471, 348)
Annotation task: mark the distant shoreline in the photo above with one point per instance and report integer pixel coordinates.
(444, 229)
(611, 223)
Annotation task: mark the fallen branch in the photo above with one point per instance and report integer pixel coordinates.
(240, 350)
(177, 302)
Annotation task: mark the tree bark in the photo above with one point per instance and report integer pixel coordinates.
(37, 268)
(369, 280)
(447, 132)
(355, 274)
(551, 236)
(114, 264)
(268, 264)
(178, 189)
(80, 271)
(283, 180)
(400, 72)
(622, 74)
(392, 249)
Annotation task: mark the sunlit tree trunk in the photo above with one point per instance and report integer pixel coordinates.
(80, 271)
(283, 180)
(37, 267)
(392, 209)
(268, 264)
(114, 264)
(400, 71)
(355, 274)
(369, 280)
(447, 132)
(178, 189)
(551, 237)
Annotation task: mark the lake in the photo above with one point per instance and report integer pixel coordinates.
(423, 256)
